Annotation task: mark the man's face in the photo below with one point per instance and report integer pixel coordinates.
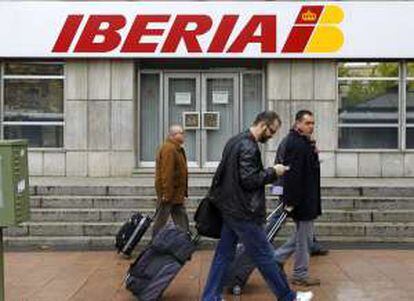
(179, 136)
(268, 131)
(306, 125)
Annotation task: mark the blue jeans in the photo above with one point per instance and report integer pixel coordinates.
(253, 237)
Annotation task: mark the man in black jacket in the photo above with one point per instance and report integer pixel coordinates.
(301, 195)
(315, 247)
(239, 194)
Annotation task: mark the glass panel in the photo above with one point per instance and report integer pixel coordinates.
(365, 69)
(149, 113)
(38, 136)
(252, 97)
(410, 138)
(182, 98)
(220, 98)
(33, 69)
(368, 102)
(368, 138)
(410, 102)
(410, 69)
(33, 100)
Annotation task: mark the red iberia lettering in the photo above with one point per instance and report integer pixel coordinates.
(180, 32)
(67, 34)
(139, 29)
(93, 29)
(267, 37)
(223, 33)
(194, 33)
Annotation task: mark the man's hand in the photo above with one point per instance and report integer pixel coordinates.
(289, 209)
(280, 169)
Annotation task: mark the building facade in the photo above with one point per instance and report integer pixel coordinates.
(94, 115)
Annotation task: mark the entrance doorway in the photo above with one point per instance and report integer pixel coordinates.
(211, 106)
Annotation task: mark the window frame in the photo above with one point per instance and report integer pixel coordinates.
(4, 77)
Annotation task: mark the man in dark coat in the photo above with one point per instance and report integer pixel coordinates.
(301, 195)
(171, 181)
(315, 247)
(239, 194)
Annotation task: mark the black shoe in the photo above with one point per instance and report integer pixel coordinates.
(319, 252)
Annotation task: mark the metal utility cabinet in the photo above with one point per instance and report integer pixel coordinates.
(14, 191)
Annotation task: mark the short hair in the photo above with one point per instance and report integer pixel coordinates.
(174, 129)
(300, 114)
(268, 117)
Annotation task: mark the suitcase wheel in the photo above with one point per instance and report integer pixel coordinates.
(236, 290)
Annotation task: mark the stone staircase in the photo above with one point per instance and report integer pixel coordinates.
(77, 215)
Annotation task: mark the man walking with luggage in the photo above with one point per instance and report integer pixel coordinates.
(301, 195)
(315, 247)
(240, 196)
(171, 181)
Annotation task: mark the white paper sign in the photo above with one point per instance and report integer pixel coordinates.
(220, 97)
(182, 98)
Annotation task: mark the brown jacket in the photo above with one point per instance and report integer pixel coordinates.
(171, 175)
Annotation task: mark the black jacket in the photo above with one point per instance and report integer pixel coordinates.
(240, 179)
(301, 184)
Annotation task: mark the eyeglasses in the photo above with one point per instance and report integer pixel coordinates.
(271, 130)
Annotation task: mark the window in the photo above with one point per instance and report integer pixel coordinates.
(369, 105)
(410, 106)
(32, 99)
(150, 93)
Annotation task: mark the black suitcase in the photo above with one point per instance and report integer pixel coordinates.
(159, 263)
(241, 267)
(131, 233)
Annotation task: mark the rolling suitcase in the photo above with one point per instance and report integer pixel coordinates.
(131, 233)
(241, 267)
(159, 263)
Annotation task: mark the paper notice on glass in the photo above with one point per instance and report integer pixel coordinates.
(182, 98)
(276, 190)
(220, 97)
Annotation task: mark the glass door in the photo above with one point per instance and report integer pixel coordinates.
(182, 106)
(219, 114)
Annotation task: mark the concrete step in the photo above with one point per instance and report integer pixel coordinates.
(329, 202)
(379, 229)
(107, 242)
(123, 214)
(200, 189)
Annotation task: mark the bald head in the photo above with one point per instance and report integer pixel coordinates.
(176, 133)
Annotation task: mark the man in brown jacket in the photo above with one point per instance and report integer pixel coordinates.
(171, 181)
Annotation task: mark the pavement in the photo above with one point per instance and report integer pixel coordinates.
(346, 275)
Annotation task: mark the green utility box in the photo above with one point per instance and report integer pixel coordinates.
(14, 183)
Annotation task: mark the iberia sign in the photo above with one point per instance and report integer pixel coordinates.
(207, 29)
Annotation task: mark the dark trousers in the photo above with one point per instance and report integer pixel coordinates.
(259, 249)
(164, 210)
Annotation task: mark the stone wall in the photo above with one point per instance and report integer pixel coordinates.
(99, 122)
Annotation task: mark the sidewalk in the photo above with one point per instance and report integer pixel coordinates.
(347, 275)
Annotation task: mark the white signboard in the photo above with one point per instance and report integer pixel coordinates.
(272, 29)
(220, 97)
(182, 98)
